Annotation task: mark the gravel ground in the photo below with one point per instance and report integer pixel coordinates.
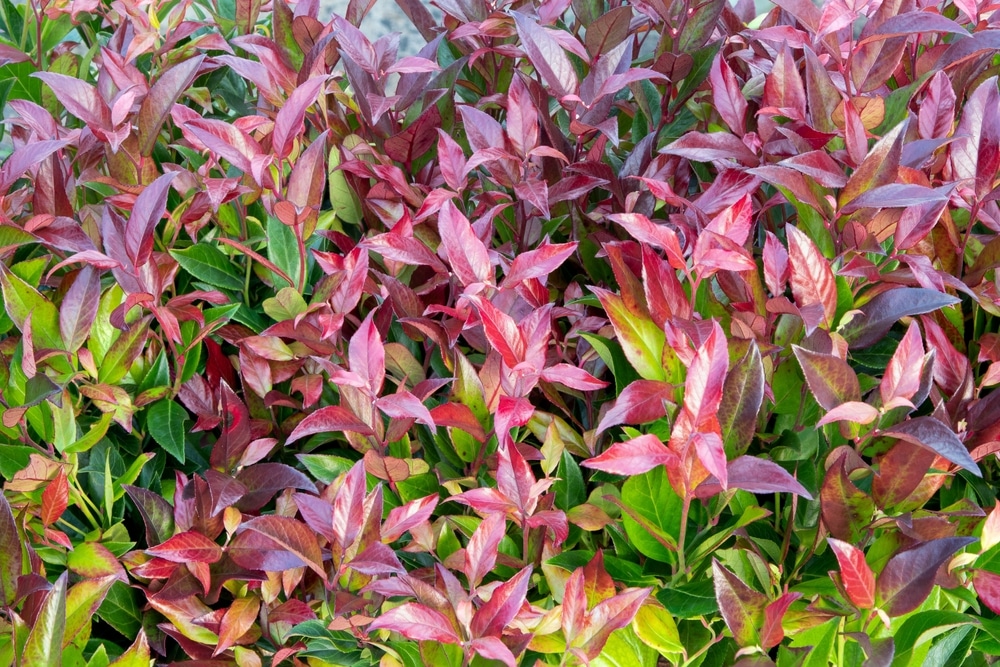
(384, 18)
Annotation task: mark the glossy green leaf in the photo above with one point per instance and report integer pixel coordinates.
(168, 424)
(651, 508)
(207, 263)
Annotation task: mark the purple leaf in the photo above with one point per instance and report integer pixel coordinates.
(275, 544)
(330, 419)
(702, 147)
(878, 315)
(763, 476)
(547, 56)
(265, 480)
(161, 98)
(24, 158)
(936, 436)
(147, 211)
(288, 122)
(908, 577)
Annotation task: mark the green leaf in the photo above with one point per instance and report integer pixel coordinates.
(570, 489)
(82, 602)
(283, 250)
(691, 600)
(208, 264)
(118, 360)
(167, 422)
(921, 628)
(651, 498)
(655, 626)
(612, 355)
(625, 649)
(21, 299)
(45, 643)
(325, 467)
(820, 638)
(10, 554)
(120, 610)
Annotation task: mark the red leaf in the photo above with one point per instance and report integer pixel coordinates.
(936, 115)
(936, 436)
(702, 147)
(763, 476)
(494, 616)
(644, 230)
(857, 577)
(189, 546)
(55, 498)
(773, 632)
(276, 543)
(811, 276)
(831, 379)
(547, 56)
(987, 586)
(462, 248)
(237, 621)
(288, 122)
(634, 457)
(908, 577)
(727, 94)
(734, 222)
(783, 88)
(79, 308)
(366, 354)
(703, 387)
(260, 483)
(332, 418)
(902, 374)
(307, 181)
(664, 294)
(501, 332)
(742, 607)
(24, 158)
(613, 614)
(538, 263)
(417, 622)
(481, 554)
(458, 415)
(410, 515)
(640, 402)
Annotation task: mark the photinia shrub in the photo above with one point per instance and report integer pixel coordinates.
(594, 333)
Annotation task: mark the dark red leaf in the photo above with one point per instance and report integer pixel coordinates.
(263, 481)
(276, 543)
(161, 98)
(742, 397)
(330, 419)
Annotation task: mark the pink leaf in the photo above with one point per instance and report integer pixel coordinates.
(547, 56)
(522, 118)
(902, 374)
(348, 506)
(501, 332)
(417, 622)
(276, 543)
(404, 405)
(538, 263)
(462, 248)
(481, 554)
(503, 605)
(288, 122)
(634, 457)
(80, 98)
(402, 519)
(855, 412)
(366, 353)
(763, 476)
(486, 501)
(640, 402)
(451, 161)
(702, 147)
(811, 276)
(572, 377)
(147, 211)
(492, 648)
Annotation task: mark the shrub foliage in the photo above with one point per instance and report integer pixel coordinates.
(593, 333)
